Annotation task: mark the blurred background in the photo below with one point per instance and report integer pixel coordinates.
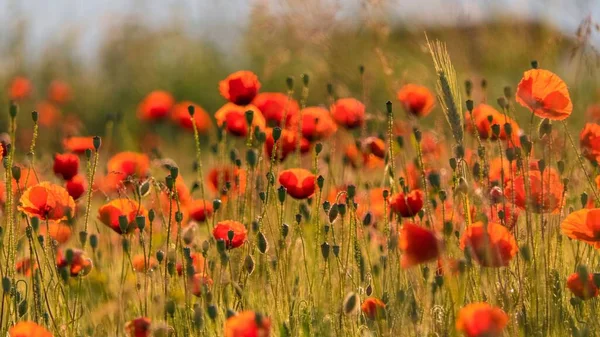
(113, 52)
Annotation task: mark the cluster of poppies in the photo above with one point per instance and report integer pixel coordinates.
(478, 221)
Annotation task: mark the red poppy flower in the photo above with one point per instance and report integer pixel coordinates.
(483, 113)
(26, 266)
(287, 143)
(234, 117)
(348, 112)
(545, 94)
(80, 265)
(584, 290)
(139, 327)
(375, 146)
(299, 183)
(431, 146)
(142, 264)
(418, 245)
(218, 178)
(78, 144)
(156, 105)
(28, 329)
(407, 205)
(47, 201)
(358, 159)
(76, 186)
(373, 307)
(274, 106)
(109, 214)
(240, 87)
(481, 320)
(222, 229)
(198, 281)
(545, 191)
(59, 231)
(20, 88)
(66, 165)
(129, 164)
(247, 324)
(200, 210)
(48, 114)
(589, 141)
(583, 225)
(181, 116)
(417, 100)
(59, 92)
(317, 123)
(492, 248)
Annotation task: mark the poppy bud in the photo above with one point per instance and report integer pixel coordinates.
(123, 223)
(83, 237)
(418, 135)
(249, 117)
(216, 204)
(251, 157)
(97, 142)
(263, 245)
(320, 181)
(525, 253)
(94, 241)
(276, 133)
(510, 154)
(469, 104)
(262, 195)
(281, 192)
(170, 307)
(160, 256)
(64, 273)
(502, 102)
(289, 81)
(305, 79)
(16, 173)
(326, 206)
(452, 162)
(442, 195)
(350, 303)
(171, 267)
(342, 209)
(318, 148)
(496, 130)
(508, 92)
(212, 311)
(508, 129)
(125, 244)
(34, 116)
(336, 250)
(388, 107)
(13, 109)
(448, 228)
(169, 181)
(174, 170)
(351, 191)
(468, 87)
(249, 264)
(483, 83)
(298, 218)
(561, 166)
(367, 219)
(285, 229)
(534, 64)
(541, 165)
(584, 199)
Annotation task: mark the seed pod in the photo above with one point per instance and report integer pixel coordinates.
(160, 256)
(285, 229)
(336, 250)
(281, 191)
(263, 245)
(216, 204)
(140, 220)
(170, 307)
(367, 219)
(333, 213)
(16, 173)
(93, 240)
(97, 141)
(320, 181)
(212, 311)
(83, 237)
(318, 148)
(151, 215)
(325, 250)
(350, 304)
(249, 264)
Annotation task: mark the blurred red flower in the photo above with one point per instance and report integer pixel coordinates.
(234, 118)
(481, 320)
(47, 201)
(418, 245)
(299, 182)
(240, 87)
(417, 100)
(317, 123)
(156, 105)
(222, 229)
(585, 290)
(348, 112)
(373, 308)
(76, 186)
(59, 92)
(80, 264)
(139, 327)
(407, 204)
(274, 106)
(491, 245)
(247, 324)
(109, 214)
(181, 116)
(66, 165)
(20, 88)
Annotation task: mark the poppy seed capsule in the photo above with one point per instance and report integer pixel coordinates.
(325, 250)
(251, 157)
(16, 173)
(13, 109)
(289, 81)
(496, 130)
(318, 148)
(123, 223)
(561, 166)
(263, 245)
(285, 229)
(281, 192)
(97, 141)
(584, 199)
(34, 116)
(468, 87)
(418, 135)
(502, 102)
(305, 79)
(160, 256)
(216, 204)
(336, 250)
(320, 181)
(469, 104)
(388, 107)
(350, 303)
(93, 240)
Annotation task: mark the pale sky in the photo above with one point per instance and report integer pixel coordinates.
(223, 20)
